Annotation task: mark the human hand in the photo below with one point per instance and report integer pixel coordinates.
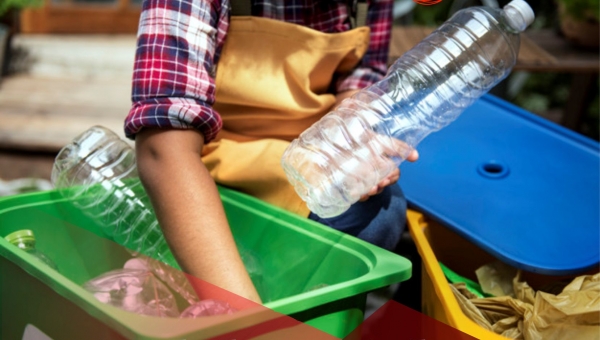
(399, 148)
(392, 178)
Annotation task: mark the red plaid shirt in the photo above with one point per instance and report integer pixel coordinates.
(179, 42)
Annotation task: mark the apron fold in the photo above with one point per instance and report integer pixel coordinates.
(271, 84)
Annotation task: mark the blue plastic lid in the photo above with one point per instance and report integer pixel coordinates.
(518, 186)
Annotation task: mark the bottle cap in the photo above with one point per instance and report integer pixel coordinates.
(523, 8)
(20, 235)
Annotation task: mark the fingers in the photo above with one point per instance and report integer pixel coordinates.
(400, 149)
(392, 178)
(413, 156)
(374, 191)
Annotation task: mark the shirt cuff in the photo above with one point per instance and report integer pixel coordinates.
(174, 113)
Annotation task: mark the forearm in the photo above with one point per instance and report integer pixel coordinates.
(189, 208)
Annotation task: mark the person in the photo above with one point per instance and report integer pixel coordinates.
(217, 96)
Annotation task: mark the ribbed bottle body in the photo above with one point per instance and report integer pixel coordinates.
(351, 149)
(97, 172)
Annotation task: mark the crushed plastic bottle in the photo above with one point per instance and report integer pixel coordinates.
(208, 307)
(148, 287)
(173, 278)
(351, 149)
(134, 288)
(25, 240)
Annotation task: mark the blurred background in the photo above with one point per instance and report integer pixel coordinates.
(67, 64)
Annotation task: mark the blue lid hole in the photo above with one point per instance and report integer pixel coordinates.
(493, 169)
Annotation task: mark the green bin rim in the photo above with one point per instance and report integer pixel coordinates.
(385, 267)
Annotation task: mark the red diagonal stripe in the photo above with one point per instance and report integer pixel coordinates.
(398, 322)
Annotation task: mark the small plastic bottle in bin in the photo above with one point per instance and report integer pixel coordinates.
(351, 149)
(25, 240)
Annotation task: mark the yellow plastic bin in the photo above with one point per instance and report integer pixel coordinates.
(437, 300)
(436, 243)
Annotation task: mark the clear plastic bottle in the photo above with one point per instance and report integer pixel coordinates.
(351, 149)
(143, 286)
(25, 240)
(98, 173)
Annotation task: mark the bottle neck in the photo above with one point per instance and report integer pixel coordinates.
(26, 245)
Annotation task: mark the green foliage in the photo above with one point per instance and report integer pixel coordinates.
(6, 5)
(544, 91)
(582, 9)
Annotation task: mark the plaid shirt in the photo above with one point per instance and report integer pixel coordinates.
(179, 42)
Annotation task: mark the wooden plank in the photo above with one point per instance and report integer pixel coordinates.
(569, 59)
(41, 114)
(530, 54)
(94, 97)
(404, 38)
(81, 19)
(47, 132)
(14, 165)
(533, 56)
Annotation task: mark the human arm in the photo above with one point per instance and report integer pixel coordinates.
(189, 209)
(171, 119)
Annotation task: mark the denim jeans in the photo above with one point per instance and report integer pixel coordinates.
(379, 220)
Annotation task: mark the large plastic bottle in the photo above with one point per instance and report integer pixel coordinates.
(25, 240)
(351, 149)
(98, 173)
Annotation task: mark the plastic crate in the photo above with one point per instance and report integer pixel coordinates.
(518, 186)
(501, 183)
(296, 254)
(437, 243)
(437, 300)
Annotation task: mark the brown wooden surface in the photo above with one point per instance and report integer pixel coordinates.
(19, 164)
(569, 59)
(404, 38)
(45, 114)
(81, 18)
(38, 114)
(531, 56)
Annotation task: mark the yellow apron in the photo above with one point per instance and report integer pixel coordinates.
(271, 84)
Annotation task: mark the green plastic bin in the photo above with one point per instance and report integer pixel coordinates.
(296, 254)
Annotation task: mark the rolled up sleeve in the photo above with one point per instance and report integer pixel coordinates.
(173, 81)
